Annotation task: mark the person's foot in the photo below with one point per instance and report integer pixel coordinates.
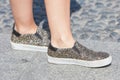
(78, 55)
(33, 42)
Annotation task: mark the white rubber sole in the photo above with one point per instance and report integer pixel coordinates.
(28, 47)
(98, 63)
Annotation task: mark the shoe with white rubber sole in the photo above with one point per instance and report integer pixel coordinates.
(78, 55)
(31, 42)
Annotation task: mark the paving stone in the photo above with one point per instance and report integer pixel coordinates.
(99, 5)
(84, 36)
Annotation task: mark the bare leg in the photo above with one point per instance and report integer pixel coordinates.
(58, 12)
(23, 16)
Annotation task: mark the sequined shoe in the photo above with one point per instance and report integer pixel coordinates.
(32, 42)
(78, 55)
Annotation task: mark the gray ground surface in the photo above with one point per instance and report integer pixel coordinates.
(96, 25)
(25, 65)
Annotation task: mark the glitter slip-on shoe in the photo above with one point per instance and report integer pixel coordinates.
(78, 55)
(31, 42)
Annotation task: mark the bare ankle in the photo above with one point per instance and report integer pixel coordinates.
(26, 29)
(63, 43)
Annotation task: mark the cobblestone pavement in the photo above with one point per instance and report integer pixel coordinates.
(94, 23)
(98, 20)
